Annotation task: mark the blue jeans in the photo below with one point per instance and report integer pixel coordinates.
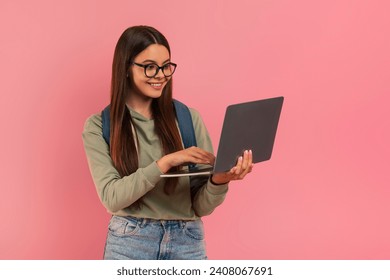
(131, 238)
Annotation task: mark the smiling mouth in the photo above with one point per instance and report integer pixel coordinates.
(155, 84)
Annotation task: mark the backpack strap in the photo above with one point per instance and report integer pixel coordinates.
(186, 126)
(106, 124)
(184, 120)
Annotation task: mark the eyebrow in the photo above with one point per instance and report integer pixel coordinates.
(152, 61)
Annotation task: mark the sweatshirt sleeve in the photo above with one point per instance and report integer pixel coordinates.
(115, 192)
(209, 196)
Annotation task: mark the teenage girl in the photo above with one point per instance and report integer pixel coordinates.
(152, 217)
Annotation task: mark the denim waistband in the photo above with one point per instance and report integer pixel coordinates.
(144, 221)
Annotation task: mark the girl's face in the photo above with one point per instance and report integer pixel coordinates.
(145, 86)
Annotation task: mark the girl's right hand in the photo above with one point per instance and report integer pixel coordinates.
(191, 155)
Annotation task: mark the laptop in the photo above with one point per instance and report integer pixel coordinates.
(246, 126)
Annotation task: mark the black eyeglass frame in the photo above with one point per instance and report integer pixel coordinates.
(157, 69)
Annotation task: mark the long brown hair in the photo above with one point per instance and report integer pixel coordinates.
(122, 140)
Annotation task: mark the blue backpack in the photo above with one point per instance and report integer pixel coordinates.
(184, 119)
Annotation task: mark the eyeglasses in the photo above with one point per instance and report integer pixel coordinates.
(151, 69)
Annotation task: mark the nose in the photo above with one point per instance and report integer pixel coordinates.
(159, 74)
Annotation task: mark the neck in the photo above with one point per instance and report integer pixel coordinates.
(142, 105)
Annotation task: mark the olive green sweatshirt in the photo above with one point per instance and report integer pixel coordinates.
(145, 186)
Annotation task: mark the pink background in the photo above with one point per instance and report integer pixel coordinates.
(324, 194)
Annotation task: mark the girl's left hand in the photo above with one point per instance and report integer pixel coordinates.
(243, 167)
